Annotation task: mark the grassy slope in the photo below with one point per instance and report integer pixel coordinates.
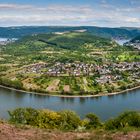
(69, 41)
(12, 132)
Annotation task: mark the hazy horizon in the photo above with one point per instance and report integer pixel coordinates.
(16, 26)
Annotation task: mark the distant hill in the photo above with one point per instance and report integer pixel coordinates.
(136, 39)
(68, 41)
(71, 40)
(76, 40)
(135, 42)
(119, 33)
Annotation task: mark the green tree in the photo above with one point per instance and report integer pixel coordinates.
(69, 120)
(93, 121)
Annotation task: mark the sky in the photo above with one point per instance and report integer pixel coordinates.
(103, 13)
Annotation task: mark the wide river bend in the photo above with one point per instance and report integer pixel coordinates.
(105, 107)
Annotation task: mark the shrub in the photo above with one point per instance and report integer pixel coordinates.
(66, 120)
(11, 83)
(110, 124)
(130, 118)
(93, 121)
(126, 119)
(24, 116)
(69, 120)
(48, 119)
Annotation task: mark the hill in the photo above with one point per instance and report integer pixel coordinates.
(69, 41)
(135, 43)
(17, 32)
(136, 39)
(75, 40)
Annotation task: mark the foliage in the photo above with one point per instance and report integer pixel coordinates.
(69, 120)
(24, 116)
(48, 119)
(137, 38)
(126, 119)
(65, 120)
(11, 83)
(93, 121)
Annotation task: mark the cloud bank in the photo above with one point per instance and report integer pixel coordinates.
(68, 15)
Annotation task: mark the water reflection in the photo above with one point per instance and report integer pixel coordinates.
(67, 100)
(82, 100)
(105, 107)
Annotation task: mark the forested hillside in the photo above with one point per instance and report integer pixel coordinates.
(17, 32)
(136, 39)
(69, 41)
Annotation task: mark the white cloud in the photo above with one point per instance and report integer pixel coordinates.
(104, 15)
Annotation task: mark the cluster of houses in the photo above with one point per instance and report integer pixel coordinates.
(106, 75)
(5, 41)
(127, 66)
(71, 69)
(104, 71)
(35, 68)
(135, 45)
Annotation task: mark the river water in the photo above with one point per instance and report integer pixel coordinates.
(121, 42)
(105, 107)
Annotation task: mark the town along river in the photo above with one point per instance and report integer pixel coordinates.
(105, 107)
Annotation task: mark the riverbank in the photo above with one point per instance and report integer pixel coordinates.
(72, 96)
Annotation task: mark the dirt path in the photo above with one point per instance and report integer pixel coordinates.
(53, 85)
(66, 88)
(29, 84)
(85, 84)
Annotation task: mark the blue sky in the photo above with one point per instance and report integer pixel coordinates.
(109, 13)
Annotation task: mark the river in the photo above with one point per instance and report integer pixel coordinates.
(6, 39)
(105, 107)
(122, 41)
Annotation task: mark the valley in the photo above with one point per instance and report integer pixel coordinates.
(69, 70)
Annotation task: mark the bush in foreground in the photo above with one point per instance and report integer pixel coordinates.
(93, 121)
(69, 120)
(65, 120)
(24, 116)
(126, 119)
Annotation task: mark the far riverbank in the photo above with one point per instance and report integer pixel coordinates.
(71, 96)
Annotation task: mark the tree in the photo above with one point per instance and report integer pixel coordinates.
(94, 121)
(126, 119)
(48, 119)
(24, 116)
(69, 120)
